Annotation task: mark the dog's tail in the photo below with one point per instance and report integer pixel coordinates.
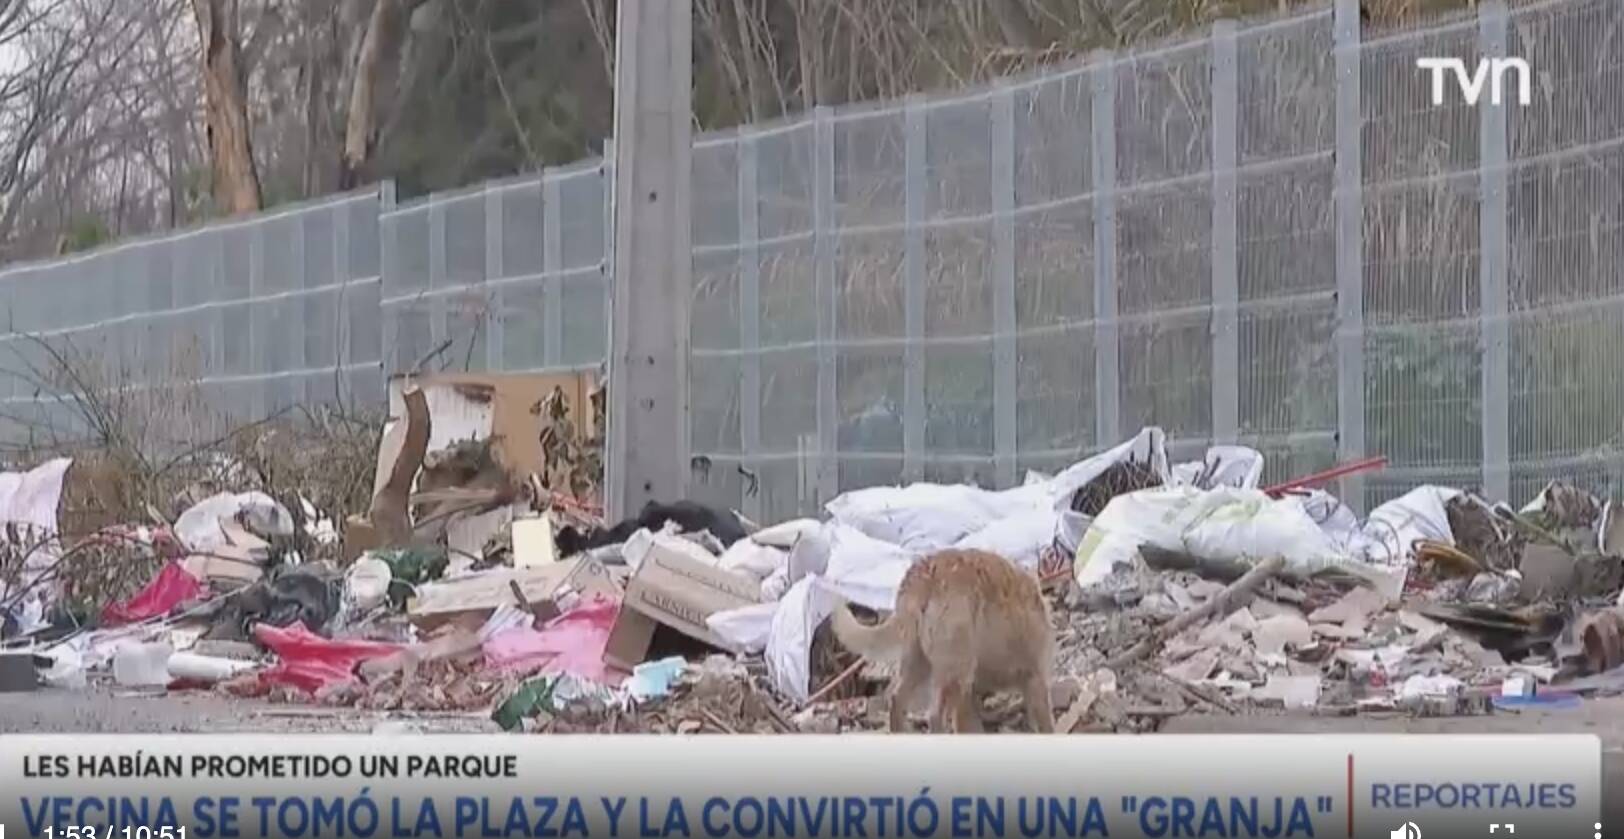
(885, 641)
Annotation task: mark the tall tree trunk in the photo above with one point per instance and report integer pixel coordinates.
(376, 61)
(231, 150)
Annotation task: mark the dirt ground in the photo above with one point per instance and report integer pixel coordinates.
(97, 711)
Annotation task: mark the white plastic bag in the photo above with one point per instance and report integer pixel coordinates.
(1149, 445)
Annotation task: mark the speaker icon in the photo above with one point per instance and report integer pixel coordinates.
(1408, 830)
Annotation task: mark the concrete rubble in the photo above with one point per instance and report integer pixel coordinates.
(481, 579)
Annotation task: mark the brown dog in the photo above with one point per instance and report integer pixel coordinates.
(967, 623)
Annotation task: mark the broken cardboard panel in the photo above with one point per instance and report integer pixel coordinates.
(400, 456)
(673, 589)
(548, 589)
(503, 408)
(466, 536)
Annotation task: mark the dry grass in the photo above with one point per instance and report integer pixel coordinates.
(148, 444)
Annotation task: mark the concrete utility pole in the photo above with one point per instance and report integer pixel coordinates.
(649, 292)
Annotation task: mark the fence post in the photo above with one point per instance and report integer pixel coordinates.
(1494, 254)
(292, 306)
(1350, 283)
(749, 317)
(258, 331)
(388, 325)
(913, 291)
(342, 335)
(552, 267)
(495, 270)
(824, 250)
(1226, 352)
(1004, 390)
(606, 269)
(648, 326)
(1107, 359)
(438, 269)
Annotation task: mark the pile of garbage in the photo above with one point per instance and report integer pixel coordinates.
(482, 579)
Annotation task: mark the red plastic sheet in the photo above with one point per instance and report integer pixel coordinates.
(310, 662)
(571, 643)
(169, 589)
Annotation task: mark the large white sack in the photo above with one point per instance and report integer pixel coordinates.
(1149, 445)
(786, 534)
(789, 646)
(926, 517)
(28, 507)
(747, 627)
(1247, 524)
(1215, 524)
(1390, 532)
(1240, 467)
(759, 561)
(1337, 520)
(1020, 538)
(865, 570)
(858, 567)
(199, 527)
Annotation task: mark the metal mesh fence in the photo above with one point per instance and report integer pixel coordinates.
(251, 317)
(1269, 235)
(967, 287)
(510, 276)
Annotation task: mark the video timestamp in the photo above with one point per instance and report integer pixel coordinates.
(111, 832)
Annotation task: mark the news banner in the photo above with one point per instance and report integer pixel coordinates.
(224, 786)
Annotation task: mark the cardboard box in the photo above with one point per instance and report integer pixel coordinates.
(476, 596)
(676, 591)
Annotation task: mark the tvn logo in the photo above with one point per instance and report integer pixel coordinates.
(1491, 74)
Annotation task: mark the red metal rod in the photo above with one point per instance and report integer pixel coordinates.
(1340, 470)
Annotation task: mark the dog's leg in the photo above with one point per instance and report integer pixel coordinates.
(944, 716)
(1039, 711)
(913, 675)
(969, 713)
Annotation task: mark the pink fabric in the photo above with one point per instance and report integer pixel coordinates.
(310, 662)
(172, 587)
(571, 643)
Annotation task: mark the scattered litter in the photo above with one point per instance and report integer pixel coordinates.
(173, 586)
(143, 665)
(653, 679)
(205, 669)
(481, 579)
(571, 643)
(308, 662)
(1294, 692)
